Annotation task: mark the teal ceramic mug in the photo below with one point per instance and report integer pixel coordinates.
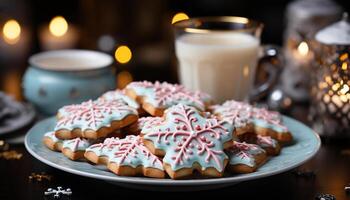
(57, 78)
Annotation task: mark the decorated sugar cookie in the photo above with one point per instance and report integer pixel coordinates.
(98, 153)
(236, 113)
(126, 157)
(156, 97)
(120, 95)
(143, 122)
(245, 158)
(264, 122)
(74, 149)
(188, 141)
(270, 145)
(269, 123)
(65, 110)
(94, 119)
(132, 158)
(52, 142)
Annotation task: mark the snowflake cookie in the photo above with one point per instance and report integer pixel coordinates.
(270, 145)
(143, 122)
(156, 97)
(245, 158)
(98, 153)
(120, 95)
(126, 157)
(236, 113)
(264, 122)
(52, 142)
(189, 141)
(75, 148)
(94, 119)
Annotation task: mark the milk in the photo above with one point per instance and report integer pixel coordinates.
(220, 63)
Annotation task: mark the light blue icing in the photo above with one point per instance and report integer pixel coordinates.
(174, 94)
(94, 115)
(53, 137)
(132, 152)
(168, 135)
(103, 149)
(245, 157)
(146, 123)
(237, 117)
(119, 94)
(265, 124)
(273, 142)
(248, 114)
(76, 144)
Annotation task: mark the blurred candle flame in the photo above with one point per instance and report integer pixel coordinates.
(58, 26)
(303, 48)
(123, 54)
(11, 31)
(179, 17)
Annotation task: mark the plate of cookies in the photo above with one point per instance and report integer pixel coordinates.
(163, 136)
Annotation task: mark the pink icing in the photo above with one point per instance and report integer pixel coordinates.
(264, 140)
(203, 135)
(92, 112)
(107, 143)
(166, 92)
(271, 117)
(128, 148)
(242, 149)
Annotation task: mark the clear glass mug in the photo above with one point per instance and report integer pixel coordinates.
(219, 55)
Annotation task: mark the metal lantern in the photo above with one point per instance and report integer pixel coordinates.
(331, 80)
(304, 18)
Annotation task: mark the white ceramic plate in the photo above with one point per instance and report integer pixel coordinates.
(305, 145)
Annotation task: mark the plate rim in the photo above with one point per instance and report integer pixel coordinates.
(167, 182)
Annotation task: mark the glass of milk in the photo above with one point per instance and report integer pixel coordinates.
(218, 55)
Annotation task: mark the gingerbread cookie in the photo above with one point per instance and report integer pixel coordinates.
(188, 141)
(126, 157)
(156, 97)
(270, 145)
(94, 119)
(75, 148)
(52, 142)
(236, 113)
(245, 158)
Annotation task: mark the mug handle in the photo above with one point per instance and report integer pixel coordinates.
(270, 61)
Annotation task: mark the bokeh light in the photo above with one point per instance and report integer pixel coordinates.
(123, 54)
(11, 31)
(179, 17)
(58, 26)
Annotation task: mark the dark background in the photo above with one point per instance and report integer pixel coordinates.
(143, 25)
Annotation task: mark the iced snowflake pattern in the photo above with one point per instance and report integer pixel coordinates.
(273, 118)
(236, 113)
(132, 151)
(94, 113)
(243, 150)
(192, 137)
(166, 94)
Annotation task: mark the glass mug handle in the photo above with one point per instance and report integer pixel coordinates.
(270, 61)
